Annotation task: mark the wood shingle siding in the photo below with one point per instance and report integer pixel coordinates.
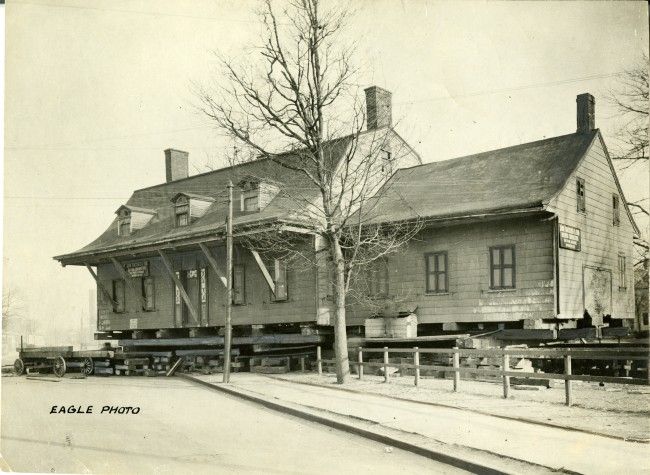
(601, 240)
(469, 297)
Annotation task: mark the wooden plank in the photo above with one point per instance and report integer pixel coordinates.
(177, 282)
(278, 339)
(265, 272)
(101, 287)
(213, 264)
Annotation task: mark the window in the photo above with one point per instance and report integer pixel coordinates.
(124, 226)
(580, 195)
(280, 280)
(251, 202)
(377, 279)
(148, 299)
(238, 285)
(621, 272)
(182, 215)
(386, 164)
(616, 210)
(437, 279)
(118, 296)
(502, 267)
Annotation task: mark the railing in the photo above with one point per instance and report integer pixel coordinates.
(504, 371)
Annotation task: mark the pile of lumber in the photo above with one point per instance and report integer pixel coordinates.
(270, 364)
(130, 365)
(208, 361)
(103, 367)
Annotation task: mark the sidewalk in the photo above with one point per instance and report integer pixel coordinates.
(545, 446)
(615, 410)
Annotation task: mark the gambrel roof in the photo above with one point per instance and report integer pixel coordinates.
(521, 177)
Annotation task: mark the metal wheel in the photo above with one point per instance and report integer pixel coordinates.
(88, 366)
(19, 367)
(59, 367)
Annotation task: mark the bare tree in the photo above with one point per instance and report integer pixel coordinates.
(11, 306)
(294, 104)
(630, 97)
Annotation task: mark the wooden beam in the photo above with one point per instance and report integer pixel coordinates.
(213, 264)
(177, 282)
(265, 272)
(101, 287)
(129, 281)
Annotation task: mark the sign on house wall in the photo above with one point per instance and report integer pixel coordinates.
(569, 237)
(137, 269)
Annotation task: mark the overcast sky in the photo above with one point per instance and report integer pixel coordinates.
(96, 90)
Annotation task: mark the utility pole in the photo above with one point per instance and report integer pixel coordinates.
(228, 326)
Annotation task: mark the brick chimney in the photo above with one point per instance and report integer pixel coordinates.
(586, 113)
(378, 108)
(176, 164)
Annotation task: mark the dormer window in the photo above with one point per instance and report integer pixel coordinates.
(188, 206)
(124, 225)
(182, 212)
(255, 194)
(131, 218)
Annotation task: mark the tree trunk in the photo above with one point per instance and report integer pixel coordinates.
(340, 334)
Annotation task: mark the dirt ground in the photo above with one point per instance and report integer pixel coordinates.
(614, 409)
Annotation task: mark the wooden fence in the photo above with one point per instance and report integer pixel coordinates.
(504, 371)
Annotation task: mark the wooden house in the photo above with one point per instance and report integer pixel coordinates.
(536, 237)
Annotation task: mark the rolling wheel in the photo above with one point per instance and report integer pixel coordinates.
(59, 366)
(19, 367)
(88, 366)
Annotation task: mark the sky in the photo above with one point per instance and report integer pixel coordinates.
(96, 90)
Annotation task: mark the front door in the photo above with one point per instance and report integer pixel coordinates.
(597, 291)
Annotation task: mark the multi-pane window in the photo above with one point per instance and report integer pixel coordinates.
(377, 278)
(148, 294)
(280, 280)
(437, 272)
(182, 215)
(616, 210)
(502, 267)
(580, 195)
(118, 296)
(251, 202)
(621, 272)
(238, 285)
(124, 226)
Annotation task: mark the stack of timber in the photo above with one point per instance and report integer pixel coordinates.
(103, 367)
(208, 361)
(127, 364)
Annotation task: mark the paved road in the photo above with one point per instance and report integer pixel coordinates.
(181, 428)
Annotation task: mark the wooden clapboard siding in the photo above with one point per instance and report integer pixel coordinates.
(258, 309)
(601, 241)
(469, 298)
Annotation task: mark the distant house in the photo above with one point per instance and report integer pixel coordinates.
(536, 236)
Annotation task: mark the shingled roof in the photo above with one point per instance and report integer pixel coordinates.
(211, 185)
(519, 177)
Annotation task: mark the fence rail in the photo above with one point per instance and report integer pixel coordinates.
(504, 371)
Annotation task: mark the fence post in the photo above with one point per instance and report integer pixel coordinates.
(567, 382)
(319, 361)
(416, 364)
(506, 379)
(456, 367)
(360, 370)
(385, 364)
